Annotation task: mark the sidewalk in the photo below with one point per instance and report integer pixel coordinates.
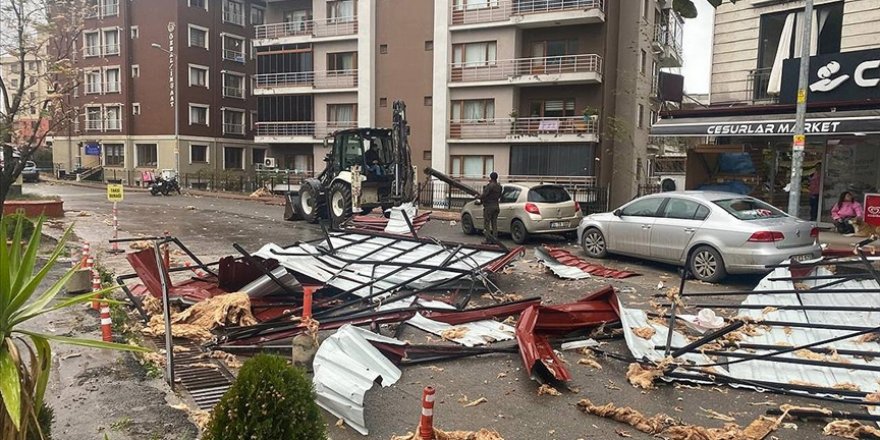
(835, 240)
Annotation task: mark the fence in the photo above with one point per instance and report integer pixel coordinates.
(649, 188)
(494, 70)
(489, 11)
(435, 194)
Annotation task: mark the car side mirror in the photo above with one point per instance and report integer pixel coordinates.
(617, 212)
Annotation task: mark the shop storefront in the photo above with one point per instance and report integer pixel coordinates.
(748, 149)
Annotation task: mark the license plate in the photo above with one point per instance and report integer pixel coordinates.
(558, 225)
(802, 257)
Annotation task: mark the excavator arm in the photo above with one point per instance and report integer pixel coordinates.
(404, 174)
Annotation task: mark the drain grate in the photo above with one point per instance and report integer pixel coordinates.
(202, 377)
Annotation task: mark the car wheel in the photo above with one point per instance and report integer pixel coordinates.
(518, 232)
(467, 224)
(594, 243)
(706, 264)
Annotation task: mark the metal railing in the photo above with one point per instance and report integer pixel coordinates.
(317, 130)
(311, 28)
(669, 32)
(93, 88)
(233, 128)
(110, 49)
(94, 125)
(521, 127)
(233, 92)
(434, 194)
(113, 125)
(502, 10)
(330, 79)
(507, 69)
(92, 51)
(758, 83)
(233, 55)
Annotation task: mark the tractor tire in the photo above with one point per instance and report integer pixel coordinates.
(311, 204)
(339, 203)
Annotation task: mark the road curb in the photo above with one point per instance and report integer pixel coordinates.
(279, 201)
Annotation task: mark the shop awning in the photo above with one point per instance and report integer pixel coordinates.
(855, 122)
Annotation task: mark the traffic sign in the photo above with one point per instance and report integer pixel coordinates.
(114, 192)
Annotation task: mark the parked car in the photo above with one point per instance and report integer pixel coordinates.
(712, 234)
(528, 209)
(30, 173)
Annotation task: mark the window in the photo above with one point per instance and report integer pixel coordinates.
(135, 108)
(340, 11)
(474, 54)
(199, 4)
(341, 113)
(198, 114)
(233, 121)
(14, 82)
(258, 156)
(258, 16)
(233, 158)
(342, 61)
(93, 119)
(553, 50)
(472, 166)
(640, 117)
(32, 65)
(233, 48)
(426, 155)
(383, 102)
(113, 118)
(233, 12)
(681, 209)
(643, 207)
(749, 209)
(509, 194)
(473, 110)
(147, 155)
(92, 8)
(429, 101)
(114, 154)
(135, 33)
(198, 154)
(198, 76)
(643, 57)
(92, 44)
(383, 48)
(111, 8)
(198, 37)
(556, 108)
(233, 85)
(548, 194)
(111, 42)
(429, 45)
(474, 4)
(552, 159)
(111, 80)
(93, 82)
(135, 71)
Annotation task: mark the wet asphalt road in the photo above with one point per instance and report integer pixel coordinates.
(210, 225)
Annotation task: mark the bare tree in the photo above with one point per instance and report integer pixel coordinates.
(42, 33)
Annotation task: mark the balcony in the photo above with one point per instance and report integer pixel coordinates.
(233, 92)
(306, 31)
(526, 13)
(525, 130)
(233, 55)
(293, 83)
(758, 83)
(298, 132)
(669, 39)
(566, 69)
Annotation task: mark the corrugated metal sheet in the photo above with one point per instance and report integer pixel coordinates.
(477, 332)
(561, 270)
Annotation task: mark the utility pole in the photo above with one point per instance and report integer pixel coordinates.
(799, 140)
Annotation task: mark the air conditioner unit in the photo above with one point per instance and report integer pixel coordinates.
(269, 162)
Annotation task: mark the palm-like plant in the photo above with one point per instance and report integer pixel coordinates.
(25, 355)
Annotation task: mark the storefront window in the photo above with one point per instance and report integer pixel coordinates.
(853, 165)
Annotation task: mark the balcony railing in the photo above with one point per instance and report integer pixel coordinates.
(233, 55)
(508, 69)
(229, 128)
(310, 28)
(330, 79)
(94, 125)
(92, 51)
(233, 92)
(316, 130)
(110, 49)
(111, 87)
(490, 11)
(113, 125)
(758, 83)
(506, 128)
(669, 32)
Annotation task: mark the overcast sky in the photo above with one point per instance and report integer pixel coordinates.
(698, 49)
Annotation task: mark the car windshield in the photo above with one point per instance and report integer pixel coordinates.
(548, 194)
(749, 209)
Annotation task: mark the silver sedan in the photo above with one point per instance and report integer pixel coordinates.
(712, 234)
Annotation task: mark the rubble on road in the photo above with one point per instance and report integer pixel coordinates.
(566, 265)
(483, 434)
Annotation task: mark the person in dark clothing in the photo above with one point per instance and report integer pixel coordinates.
(372, 160)
(490, 197)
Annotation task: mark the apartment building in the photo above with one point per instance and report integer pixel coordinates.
(143, 63)
(521, 87)
(35, 93)
(750, 120)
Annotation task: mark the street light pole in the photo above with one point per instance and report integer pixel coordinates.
(799, 140)
(176, 106)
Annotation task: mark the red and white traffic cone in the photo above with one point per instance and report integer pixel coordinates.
(106, 323)
(426, 423)
(96, 287)
(86, 253)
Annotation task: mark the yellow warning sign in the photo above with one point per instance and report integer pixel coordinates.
(802, 96)
(114, 192)
(799, 141)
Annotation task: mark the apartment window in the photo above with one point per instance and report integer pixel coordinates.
(233, 121)
(111, 42)
(198, 154)
(472, 166)
(14, 82)
(233, 158)
(426, 155)
(110, 8)
(93, 8)
(198, 76)
(429, 101)
(653, 118)
(552, 160)
(341, 113)
(198, 36)
(429, 45)
(114, 155)
(298, 162)
(471, 5)
(198, 114)
(552, 108)
(383, 48)
(135, 33)
(340, 11)
(93, 82)
(233, 48)
(643, 57)
(640, 117)
(383, 102)
(342, 61)
(474, 54)
(472, 110)
(135, 71)
(135, 108)
(233, 85)
(199, 4)
(92, 44)
(113, 118)
(233, 12)
(111, 80)
(93, 119)
(32, 65)
(147, 155)
(258, 16)
(258, 156)
(296, 19)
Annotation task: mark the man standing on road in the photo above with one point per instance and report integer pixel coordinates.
(490, 197)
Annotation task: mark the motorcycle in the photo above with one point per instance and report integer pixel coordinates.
(164, 186)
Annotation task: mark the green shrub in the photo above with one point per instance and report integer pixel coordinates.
(269, 400)
(27, 225)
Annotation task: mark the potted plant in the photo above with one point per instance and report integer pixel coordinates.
(590, 114)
